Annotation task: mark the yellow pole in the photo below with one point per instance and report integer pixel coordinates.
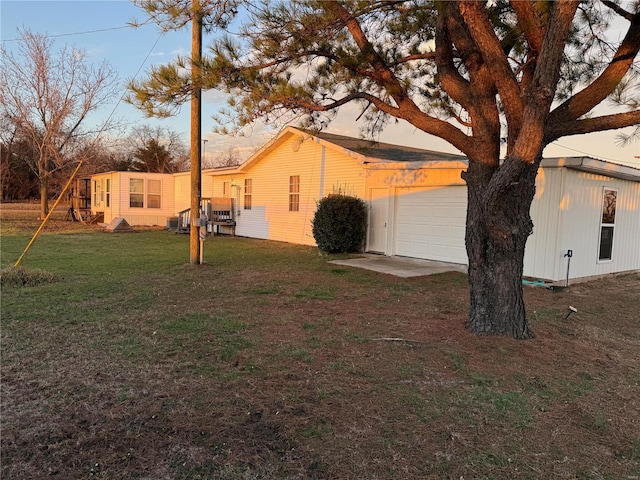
(35, 235)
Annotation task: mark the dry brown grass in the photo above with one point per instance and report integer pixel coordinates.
(268, 362)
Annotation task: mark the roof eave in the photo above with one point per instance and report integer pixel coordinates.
(377, 164)
(594, 166)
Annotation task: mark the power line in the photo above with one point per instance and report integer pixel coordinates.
(87, 32)
(137, 72)
(584, 153)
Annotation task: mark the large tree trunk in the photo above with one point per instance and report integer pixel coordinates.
(498, 225)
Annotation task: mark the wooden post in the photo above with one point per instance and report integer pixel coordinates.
(196, 133)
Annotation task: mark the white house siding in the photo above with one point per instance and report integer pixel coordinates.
(580, 225)
(543, 258)
(145, 215)
(119, 202)
(567, 212)
(182, 189)
(101, 204)
(321, 169)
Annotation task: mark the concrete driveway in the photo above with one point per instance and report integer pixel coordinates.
(400, 266)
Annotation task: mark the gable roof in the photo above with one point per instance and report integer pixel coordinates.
(376, 151)
(379, 155)
(364, 151)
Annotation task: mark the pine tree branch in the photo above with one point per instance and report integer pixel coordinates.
(615, 121)
(598, 90)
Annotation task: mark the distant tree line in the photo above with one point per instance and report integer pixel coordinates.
(47, 100)
(144, 149)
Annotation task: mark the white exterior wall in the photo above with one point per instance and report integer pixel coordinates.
(100, 204)
(542, 257)
(119, 202)
(567, 212)
(182, 190)
(581, 220)
(321, 169)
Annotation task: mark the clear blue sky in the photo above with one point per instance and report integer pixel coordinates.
(100, 28)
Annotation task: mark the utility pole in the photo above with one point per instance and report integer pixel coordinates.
(196, 132)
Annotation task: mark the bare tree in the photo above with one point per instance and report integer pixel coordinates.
(48, 96)
(228, 158)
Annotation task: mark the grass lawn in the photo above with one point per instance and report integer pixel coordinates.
(268, 362)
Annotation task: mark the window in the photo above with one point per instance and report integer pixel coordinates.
(247, 193)
(154, 193)
(609, 199)
(225, 189)
(136, 192)
(96, 192)
(108, 192)
(294, 193)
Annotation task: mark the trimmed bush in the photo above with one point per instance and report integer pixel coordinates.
(25, 277)
(340, 224)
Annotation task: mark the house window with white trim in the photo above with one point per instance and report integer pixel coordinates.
(294, 193)
(136, 192)
(154, 193)
(108, 192)
(607, 224)
(96, 192)
(248, 189)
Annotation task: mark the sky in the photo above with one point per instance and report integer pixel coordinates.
(101, 29)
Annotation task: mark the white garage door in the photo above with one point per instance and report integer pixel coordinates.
(430, 223)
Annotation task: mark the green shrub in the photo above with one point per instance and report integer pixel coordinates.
(340, 224)
(25, 277)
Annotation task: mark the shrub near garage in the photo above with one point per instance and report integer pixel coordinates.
(340, 224)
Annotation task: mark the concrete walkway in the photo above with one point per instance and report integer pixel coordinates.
(400, 266)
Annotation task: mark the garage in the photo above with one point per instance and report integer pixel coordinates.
(430, 223)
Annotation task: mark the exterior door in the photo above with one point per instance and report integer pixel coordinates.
(378, 219)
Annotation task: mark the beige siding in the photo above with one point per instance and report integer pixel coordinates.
(393, 179)
(110, 212)
(217, 185)
(322, 170)
(405, 176)
(120, 206)
(182, 190)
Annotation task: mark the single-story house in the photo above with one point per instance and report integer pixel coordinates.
(417, 200)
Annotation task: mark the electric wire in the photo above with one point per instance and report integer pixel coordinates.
(87, 32)
(95, 140)
(556, 144)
